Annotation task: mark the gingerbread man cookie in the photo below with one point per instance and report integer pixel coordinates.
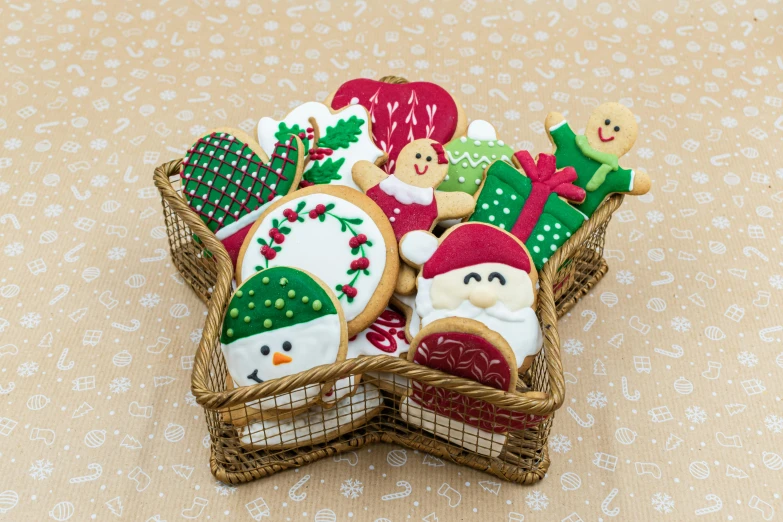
(610, 133)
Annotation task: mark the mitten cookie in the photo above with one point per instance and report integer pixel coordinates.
(333, 141)
(228, 180)
(337, 234)
(403, 112)
(279, 322)
(480, 272)
(532, 206)
(611, 131)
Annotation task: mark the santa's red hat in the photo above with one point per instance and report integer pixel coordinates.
(475, 243)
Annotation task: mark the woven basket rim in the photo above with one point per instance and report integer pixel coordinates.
(221, 293)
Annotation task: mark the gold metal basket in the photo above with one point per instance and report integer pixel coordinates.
(237, 456)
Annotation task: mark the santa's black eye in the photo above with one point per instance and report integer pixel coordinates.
(265, 350)
(287, 346)
(418, 155)
(607, 122)
(472, 275)
(429, 158)
(617, 129)
(499, 277)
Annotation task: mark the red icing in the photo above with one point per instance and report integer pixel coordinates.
(416, 168)
(233, 243)
(411, 217)
(472, 357)
(601, 136)
(475, 243)
(401, 113)
(545, 180)
(384, 333)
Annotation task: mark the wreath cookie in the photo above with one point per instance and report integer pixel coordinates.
(337, 234)
(333, 141)
(228, 181)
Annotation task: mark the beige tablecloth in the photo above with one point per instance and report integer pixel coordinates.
(673, 362)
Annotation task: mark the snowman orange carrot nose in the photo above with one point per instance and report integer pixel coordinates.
(280, 358)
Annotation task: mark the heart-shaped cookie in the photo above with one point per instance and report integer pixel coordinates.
(228, 181)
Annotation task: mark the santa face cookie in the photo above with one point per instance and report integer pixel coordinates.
(403, 112)
(471, 155)
(532, 206)
(480, 272)
(333, 141)
(337, 234)
(610, 133)
(279, 322)
(228, 180)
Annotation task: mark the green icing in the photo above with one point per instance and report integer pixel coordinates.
(568, 153)
(467, 161)
(284, 131)
(502, 200)
(323, 172)
(342, 134)
(249, 193)
(608, 162)
(249, 320)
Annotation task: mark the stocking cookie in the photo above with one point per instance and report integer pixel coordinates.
(228, 180)
(467, 349)
(470, 156)
(480, 272)
(403, 112)
(279, 322)
(337, 234)
(333, 141)
(610, 133)
(532, 206)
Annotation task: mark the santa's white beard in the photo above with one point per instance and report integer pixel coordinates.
(519, 328)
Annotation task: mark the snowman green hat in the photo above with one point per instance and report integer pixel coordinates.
(281, 321)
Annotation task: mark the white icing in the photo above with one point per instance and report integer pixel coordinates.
(459, 433)
(363, 149)
(314, 343)
(557, 125)
(406, 194)
(318, 423)
(244, 221)
(322, 248)
(482, 130)
(418, 246)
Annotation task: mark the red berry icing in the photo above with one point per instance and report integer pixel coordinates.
(349, 291)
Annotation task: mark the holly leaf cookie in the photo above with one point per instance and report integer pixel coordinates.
(228, 180)
(279, 322)
(471, 155)
(529, 205)
(337, 234)
(334, 141)
(403, 112)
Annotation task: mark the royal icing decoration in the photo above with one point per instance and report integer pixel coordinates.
(334, 142)
(530, 205)
(469, 156)
(227, 183)
(280, 322)
(482, 273)
(402, 113)
(327, 236)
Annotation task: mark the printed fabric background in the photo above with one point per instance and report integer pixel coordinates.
(674, 362)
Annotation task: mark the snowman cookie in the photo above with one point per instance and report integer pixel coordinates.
(470, 156)
(337, 234)
(333, 141)
(279, 322)
(228, 181)
(610, 133)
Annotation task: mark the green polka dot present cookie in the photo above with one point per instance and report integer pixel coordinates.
(279, 322)
(532, 206)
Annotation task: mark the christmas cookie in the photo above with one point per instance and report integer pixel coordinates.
(339, 235)
(316, 425)
(480, 272)
(407, 305)
(279, 322)
(530, 205)
(467, 349)
(469, 156)
(228, 180)
(610, 133)
(403, 112)
(333, 141)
